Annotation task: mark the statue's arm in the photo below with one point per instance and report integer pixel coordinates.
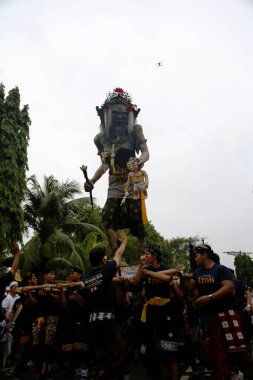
(142, 143)
(99, 172)
(145, 176)
(88, 186)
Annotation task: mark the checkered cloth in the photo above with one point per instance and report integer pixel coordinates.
(231, 326)
(100, 316)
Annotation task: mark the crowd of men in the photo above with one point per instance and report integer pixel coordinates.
(93, 326)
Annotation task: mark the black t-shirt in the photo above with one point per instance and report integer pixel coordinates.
(46, 306)
(5, 281)
(99, 288)
(156, 288)
(26, 316)
(208, 281)
(73, 310)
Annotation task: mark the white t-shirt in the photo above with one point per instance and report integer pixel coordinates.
(8, 302)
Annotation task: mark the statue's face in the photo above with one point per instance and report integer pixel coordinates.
(132, 166)
(119, 115)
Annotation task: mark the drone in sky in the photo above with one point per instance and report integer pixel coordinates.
(159, 64)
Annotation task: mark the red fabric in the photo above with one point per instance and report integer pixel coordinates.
(231, 327)
(215, 350)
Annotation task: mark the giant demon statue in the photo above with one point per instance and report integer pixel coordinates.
(120, 138)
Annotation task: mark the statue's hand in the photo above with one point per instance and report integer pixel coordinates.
(88, 186)
(141, 164)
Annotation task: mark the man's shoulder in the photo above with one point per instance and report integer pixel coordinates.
(222, 268)
(197, 271)
(225, 271)
(5, 279)
(111, 264)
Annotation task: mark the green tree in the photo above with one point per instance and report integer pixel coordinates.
(14, 136)
(175, 251)
(244, 268)
(51, 212)
(179, 249)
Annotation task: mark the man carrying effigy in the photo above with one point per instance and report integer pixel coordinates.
(120, 138)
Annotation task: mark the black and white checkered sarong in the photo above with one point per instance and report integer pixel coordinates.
(100, 316)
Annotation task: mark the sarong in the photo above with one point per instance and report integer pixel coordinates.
(128, 215)
(231, 326)
(107, 344)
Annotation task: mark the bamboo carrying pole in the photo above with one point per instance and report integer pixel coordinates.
(50, 286)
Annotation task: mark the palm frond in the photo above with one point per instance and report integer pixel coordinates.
(72, 224)
(59, 263)
(79, 201)
(61, 244)
(75, 259)
(32, 254)
(68, 189)
(90, 241)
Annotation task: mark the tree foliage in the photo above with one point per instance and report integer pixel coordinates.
(53, 214)
(244, 268)
(174, 251)
(14, 137)
(179, 249)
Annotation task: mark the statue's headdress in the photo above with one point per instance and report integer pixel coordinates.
(118, 96)
(135, 160)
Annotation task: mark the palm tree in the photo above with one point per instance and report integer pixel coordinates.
(51, 212)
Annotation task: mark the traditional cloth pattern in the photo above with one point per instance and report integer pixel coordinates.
(230, 323)
(45, 330)
(169, 346)
(129, 215)
(214, 348)
(156, 301)
(100, 316)
(73, 336)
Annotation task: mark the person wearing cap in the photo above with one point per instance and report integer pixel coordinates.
(221, 331)
(162, 315)
(23, 314)
(11, 297)
(4, 282)
(74, 325)
(7, 305)
(106, 343)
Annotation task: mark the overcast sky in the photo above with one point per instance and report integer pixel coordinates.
(196, 110)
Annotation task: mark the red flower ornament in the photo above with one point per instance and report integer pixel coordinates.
(119, 90)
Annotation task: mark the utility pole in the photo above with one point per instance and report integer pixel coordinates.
(236, 253)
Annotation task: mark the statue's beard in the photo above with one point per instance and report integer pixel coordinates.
(117, 129)
(119, 121)
(114, 127)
